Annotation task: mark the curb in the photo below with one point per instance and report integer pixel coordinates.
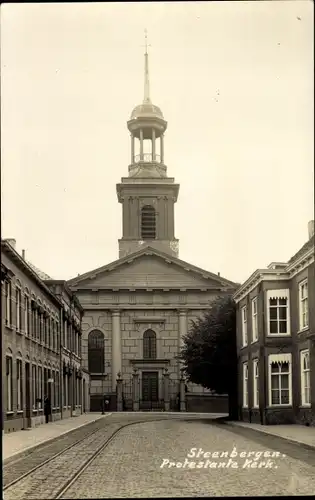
(262, 431)
(27, 451)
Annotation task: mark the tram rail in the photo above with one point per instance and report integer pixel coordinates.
(51, 476)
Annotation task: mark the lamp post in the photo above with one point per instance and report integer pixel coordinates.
(103, 382)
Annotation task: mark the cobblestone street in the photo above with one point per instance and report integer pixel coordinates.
(130, 466)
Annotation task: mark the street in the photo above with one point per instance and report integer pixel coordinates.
(147, 460)
(158, 455)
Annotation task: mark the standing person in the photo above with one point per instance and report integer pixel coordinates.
(47, 408)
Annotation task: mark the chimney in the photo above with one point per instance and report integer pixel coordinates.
(310, 229)
(23, 254)
(218, 274)
(11, 242)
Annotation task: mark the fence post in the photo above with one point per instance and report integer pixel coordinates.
(166, 377)
(182, 393)
(135, 390)
(119, 392)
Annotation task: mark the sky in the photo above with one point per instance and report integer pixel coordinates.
(235, 83)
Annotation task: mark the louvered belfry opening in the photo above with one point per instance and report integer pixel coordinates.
(148, 223)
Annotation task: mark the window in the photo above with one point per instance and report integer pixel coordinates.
(245, 385)
(57, 333)
(40, 385)
(9, 383)
(256, 383)
(18, 297)
(280, 380)
(26, 314)
(8, 310)
(53, 333)
(34, 386)
(149, 345)
(65, 328)
(254, 320)
(303, 304)
(148, 223)
(96, 352)
(47, 332)
(34, 319)
(305, 378)
(244, 326)
(40, 327)
(19, 384)
(45, 329)
(278, 312)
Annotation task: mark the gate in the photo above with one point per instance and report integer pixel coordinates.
(174, 394)
(127, 395)
(147, 393)
(150, 398)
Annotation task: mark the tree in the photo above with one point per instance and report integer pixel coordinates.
(209, 353)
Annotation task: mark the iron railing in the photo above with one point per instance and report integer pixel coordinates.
(148, 158)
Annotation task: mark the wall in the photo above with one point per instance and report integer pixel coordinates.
(18, 345)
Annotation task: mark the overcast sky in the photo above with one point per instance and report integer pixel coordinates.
(235, 83)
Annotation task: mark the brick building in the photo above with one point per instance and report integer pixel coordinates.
(276, 341)
(138, 308)
(34, 319)
(74, 379)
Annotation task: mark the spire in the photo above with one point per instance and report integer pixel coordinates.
(146, 99)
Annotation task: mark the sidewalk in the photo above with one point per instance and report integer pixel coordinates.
(23, 441)
(296, 433)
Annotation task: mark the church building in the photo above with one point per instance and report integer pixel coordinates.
(138, 308)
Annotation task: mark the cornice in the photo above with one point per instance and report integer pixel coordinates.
(146, 289)
(285, 274)
(134, 307)
(26, 268)
(223, 284)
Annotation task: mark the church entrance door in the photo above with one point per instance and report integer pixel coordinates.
(150, 392)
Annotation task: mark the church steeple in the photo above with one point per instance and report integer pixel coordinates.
(148, 195)
(146, 99)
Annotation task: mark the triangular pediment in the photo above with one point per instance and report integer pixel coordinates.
(150, 269)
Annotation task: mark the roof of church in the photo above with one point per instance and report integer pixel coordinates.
(147, 250)
(146, 109)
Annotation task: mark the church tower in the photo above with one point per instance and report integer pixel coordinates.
(147, 195)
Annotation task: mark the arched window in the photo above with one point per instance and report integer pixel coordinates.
(148, 223)
(96, 352)
(149, 345)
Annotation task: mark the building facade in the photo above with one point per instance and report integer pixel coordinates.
(276, 341)
(138, 308)
(33, 345)
(74, 388)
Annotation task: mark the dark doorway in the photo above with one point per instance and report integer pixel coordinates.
(27, 420)
(150, 392)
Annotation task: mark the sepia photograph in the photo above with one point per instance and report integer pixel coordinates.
(157, 249)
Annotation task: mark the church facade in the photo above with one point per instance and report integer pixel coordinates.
(138, 308)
